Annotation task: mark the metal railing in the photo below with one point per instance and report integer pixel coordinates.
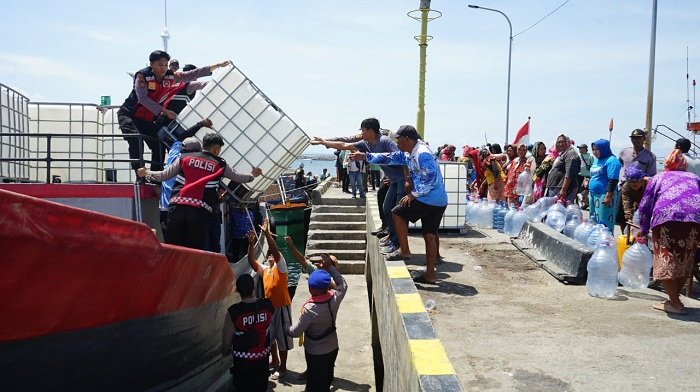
(47, 155)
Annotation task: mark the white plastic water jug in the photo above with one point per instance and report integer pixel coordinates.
(636, 266)
(602, 272)
(556, 217)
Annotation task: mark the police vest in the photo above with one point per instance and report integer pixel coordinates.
(256, 316)
(197, 183)
(178, 98)
(158, 91)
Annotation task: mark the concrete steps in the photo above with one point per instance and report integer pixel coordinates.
(337, 225)
(337, 235)
(323, 245)
(338, 228)
(333, 209)
(340, 217)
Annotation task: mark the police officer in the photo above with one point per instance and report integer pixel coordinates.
(196, 190)
(152, 86)
(246, 336)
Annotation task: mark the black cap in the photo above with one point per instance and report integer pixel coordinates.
(638, 133)
(408, 131)
(582, 145)
(245, 285)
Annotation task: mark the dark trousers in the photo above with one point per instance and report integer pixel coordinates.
(133, 126)
(320, 371)
(381, 195)
(345, 180)
(250, 375)
(164, 225)
(395, 193)
(212, 241)
(237, 248)
(375, 178)
(187, 226)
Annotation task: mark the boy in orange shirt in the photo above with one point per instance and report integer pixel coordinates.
(274, 276)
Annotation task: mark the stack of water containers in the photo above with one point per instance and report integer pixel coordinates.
(499, 214)
(636, 265)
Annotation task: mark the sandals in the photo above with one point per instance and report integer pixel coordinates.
(421, 279)
(395, 256)
(668, 308)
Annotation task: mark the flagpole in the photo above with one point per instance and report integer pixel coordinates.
(610, 128)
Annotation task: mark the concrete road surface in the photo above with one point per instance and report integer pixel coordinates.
(507, 325)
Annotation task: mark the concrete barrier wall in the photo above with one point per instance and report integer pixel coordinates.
(564, 258)
(412, 355)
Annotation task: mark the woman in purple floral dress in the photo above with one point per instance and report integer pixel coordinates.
(670, 207)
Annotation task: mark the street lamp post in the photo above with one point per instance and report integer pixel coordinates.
(510, 53)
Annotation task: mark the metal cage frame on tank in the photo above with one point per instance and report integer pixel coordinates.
(255, 130)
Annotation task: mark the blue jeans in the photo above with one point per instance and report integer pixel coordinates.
(356, 182)
(393, 196)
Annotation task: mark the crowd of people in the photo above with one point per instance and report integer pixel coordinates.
(612, 187)
(411, 188)
(406, 174)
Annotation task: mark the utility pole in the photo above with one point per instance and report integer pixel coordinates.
(650, 84)
(422, 39)
(165, 34)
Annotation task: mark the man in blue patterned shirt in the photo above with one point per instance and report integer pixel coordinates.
(427, 201)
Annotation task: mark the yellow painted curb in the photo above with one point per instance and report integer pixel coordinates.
(430, 358)
(410, 303)
(397, 272)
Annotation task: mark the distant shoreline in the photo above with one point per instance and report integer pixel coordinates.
(318, 157)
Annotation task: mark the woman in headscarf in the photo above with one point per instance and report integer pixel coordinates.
(515, 167)
(476, 184)
(562, 180)
(540, 170)
(448, 153)
(632, 191)
(494, 176)
(602, 187)
(670, 207)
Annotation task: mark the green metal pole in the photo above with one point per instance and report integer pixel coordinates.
(423, 43)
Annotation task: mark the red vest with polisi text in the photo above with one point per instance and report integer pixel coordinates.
(197, 183)
(158, 91)
(256, 316)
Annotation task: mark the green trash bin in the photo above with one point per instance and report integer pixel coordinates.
(290, 220)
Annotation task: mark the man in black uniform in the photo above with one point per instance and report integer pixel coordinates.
(153, 85)
(195, 190)
(245, 334)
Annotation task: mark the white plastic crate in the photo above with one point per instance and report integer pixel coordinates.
(454, 176)
(256, 132)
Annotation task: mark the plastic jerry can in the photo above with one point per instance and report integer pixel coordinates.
(622, 246)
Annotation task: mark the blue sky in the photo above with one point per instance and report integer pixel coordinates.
(329, 64)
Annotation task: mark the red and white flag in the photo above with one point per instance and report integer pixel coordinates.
(523, 135)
